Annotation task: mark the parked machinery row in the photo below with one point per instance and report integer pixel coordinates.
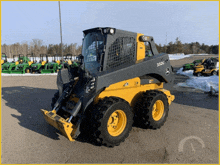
(28, 64)
(209, 66)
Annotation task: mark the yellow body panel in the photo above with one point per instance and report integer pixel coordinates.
(43, 62)
(130, 89)
(140, 48)
(67, 129)
(69, 62)
(58, 62)
(168, 94)
(2, 61)
(30, 62)
(209, 71)
(200, 68)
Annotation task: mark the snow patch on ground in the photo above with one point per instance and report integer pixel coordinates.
(179, 56)
(198, 54)
(202, 83)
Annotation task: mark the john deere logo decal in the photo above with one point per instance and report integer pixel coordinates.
(160, 63)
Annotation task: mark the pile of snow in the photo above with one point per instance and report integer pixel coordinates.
(178, 56)
(198, 54)
(202, 83)
(27, 74)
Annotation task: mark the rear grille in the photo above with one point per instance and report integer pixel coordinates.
(122, 51)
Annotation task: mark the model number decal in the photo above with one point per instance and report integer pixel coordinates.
(160, 63)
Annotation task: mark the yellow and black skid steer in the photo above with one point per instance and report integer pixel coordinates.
(115, 85)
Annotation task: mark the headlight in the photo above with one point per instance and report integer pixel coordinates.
(144, 38)
(111, 31)
(91, 85)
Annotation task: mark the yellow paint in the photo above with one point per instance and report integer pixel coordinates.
(30, 62)
(67, 129)
(158, 110)
(127, 90)
(199, 68)
(2, 61)
(75, 99)
(17, 62)
(58, 62)
(69, 62)
(168, 94)
(43, 63)
(209, 71)
(140, 48)
(117, 123)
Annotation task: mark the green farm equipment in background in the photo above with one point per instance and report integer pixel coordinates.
(69, 61)
(23, 66)
(4, 59)
(8, 67)
(190, 66)
(208, 67)
(32, 60)
(38, 66)
(51, 67)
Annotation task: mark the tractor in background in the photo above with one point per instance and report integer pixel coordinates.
(190, 66)
(69, 62)
(8, 67)
(4, 59)
(209, 66)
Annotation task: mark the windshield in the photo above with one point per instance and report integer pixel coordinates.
(93, 46)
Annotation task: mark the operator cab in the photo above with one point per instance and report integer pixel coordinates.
(109, 49)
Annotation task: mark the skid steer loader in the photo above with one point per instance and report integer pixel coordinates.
(115, 85)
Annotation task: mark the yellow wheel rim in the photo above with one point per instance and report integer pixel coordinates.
(27, 71)
(116, 123)
(158, 110)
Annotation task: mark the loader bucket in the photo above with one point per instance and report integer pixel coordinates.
(67, 129)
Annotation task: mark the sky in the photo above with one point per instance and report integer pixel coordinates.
(190, 21)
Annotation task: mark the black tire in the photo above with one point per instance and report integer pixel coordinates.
(198, 74)
(214, 73)
(27, 70)
(39, 71)
(100, 116)
(144, 107)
